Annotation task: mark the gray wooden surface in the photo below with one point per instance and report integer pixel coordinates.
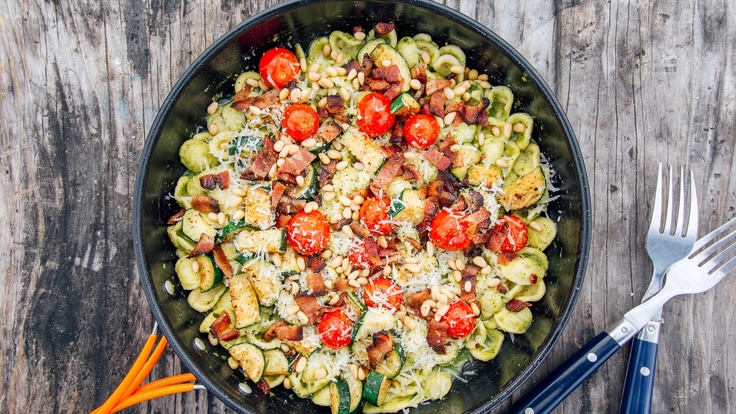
(641, 81)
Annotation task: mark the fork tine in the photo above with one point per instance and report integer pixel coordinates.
(727, 246)
(680, 230)
(708, 238)
(669, 207)
(656, 222)
(692, 222)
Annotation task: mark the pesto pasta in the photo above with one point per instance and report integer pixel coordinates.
(361, 217)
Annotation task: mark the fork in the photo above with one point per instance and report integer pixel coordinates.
(713, 257)
(666, 243)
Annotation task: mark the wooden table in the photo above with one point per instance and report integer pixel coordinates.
(641, 82)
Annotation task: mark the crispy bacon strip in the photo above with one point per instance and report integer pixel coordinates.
(262, 162)
(277, 190)
(386, 174)
(516, 305)
(222, 328)
(283, 331)
(381, 346)
(437, 85)
(205, 204)
(242, 101)
(308, 304)
(504, 258)
(330, 130)
(315, 264)
(316, 284)
(383, 29)
(438, 159)
(437, 336)
(416, 299)
(205, 244)
(262, 385)
(221, 261)
(297, 163)
(176, 217)
(467, 287)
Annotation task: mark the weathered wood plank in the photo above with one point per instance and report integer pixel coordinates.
(82, 81)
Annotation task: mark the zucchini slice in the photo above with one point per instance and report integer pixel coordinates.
(194, 225)
(394, 361)
(376, 388)
(368, 48)
(254, 241)
(210, 274)
(310, 187)
(525, 191)
(265, 279)
(276, 362)
(244, 300)
(405, 105)
(364, 149)
(384, 55)
(340, 397)
(250, 358)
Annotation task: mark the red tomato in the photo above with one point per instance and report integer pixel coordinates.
(510, 234)
(460, 320)
(374, 114)
(421, 130)
(278, 67)
(382, 292)
(448, 230)
(374, 215)
(308, 233)
(335, 329)
(361, 250)
(300, 122)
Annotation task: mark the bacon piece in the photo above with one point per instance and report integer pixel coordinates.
(315, 264)
(472, 114)
(205, 204)
(516, 305)
(223, 329)
(262, 162)
(501, 288)
(377, 84)
(205, 244)
(437, 159)
(473, 199)
(290, 206)
(467, 287)
(277, 191)
(308, 304)
(297, 163)
(282, 220)
(392, 74)
(262, 385)
(359, 229)
(208, 182)
(329, 130)
(353, 64)
(475, 219)
(283, 331)
(243, 101)
(286, 177)
(437, 104)
(533, 278)
(221, 261)
(505, 257)
(437, 335)
(325, 172)
(176, 217)
(437, 85)
(386, 174)
(367, 64)
(419, 72)
(410, 172)
(335, 104)
(416, 299)
(383, 29)
(316, 284)
(382, 345)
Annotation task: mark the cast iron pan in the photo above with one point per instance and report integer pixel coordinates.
(213, 73)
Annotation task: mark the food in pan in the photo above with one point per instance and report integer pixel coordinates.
(361, 218)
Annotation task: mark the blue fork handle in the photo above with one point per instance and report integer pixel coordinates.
(639, 383)
(549, 393)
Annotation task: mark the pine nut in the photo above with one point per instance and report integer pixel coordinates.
(232, 363)
(283, 94)
(536, 226)
(413, 267)
(212, 108)
(425, 308)
(301, 363)
(441, 312)
(449, 94)
(213, 129)
(457, 275)
(480, 261)
(320, 373)
(303, 318)
(300, 180)
(301, 263)
(346, 230)
(239, 214)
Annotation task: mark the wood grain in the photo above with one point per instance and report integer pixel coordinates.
(81, 82)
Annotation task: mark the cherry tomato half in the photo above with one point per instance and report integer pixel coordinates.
(460, 320)
(448, 230)
(361, 250)
(382, 292)
(308, 233)
(421, 130)
(278, 66)
(300, 122)
(374, 215)
(335, 329)
(374, 114)
(510, 234)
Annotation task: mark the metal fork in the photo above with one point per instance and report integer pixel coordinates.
(713, 257)
(666, 243)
